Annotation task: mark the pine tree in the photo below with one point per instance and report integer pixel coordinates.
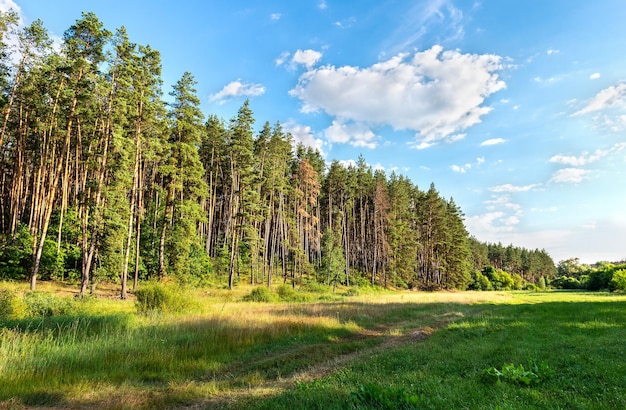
(184, 184)
(240, 154)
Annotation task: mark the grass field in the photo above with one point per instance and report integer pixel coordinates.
(375, 350)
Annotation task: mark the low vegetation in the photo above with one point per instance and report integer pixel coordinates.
(377, 349)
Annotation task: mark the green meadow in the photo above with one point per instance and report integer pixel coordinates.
(319, 350)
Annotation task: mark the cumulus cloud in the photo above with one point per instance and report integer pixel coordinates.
(570, 175)
(503, 216)
(607, 98)
(492, 141)
(237, 89)
(307, 58)
(355, 134)
(512, 188)
(303, 134)
(594, 76)
(436, 93)
(347, 163)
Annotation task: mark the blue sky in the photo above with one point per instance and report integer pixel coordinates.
(516, 109)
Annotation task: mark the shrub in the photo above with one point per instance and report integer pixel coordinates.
(11, 306)
(566, 282)
(542, 283)
(518, 281)
(316, 287)
(600, 279)
(259, 294)
(157, 297)
(480, 282)
(618, 282)
(289, 294)
(43, 304)
(531, 286)
(352, 292)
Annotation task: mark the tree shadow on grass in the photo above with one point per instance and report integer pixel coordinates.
(579, 340)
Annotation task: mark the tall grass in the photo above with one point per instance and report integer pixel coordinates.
(234, 354)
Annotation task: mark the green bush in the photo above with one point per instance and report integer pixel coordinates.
(542, 283)
(15, 254)
(352, 292)
(259, 294)
(531, 286)
(600, 279)
(567, 282)
(618, 281)
(158, 297)
(316, 287)
(480, 282)
(11, 306)
(288, 294)
(43, 304)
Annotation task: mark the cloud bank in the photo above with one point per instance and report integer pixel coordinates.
(435, 93)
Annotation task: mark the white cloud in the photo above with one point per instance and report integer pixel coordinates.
(502, 217)
(275, 16)
(347, 163)
(322, 5)
(607, 98)
(6, 5)
(461, 169)
(347, 23)
(570, 175)
(424, 17)
(586, 158)
(435, 93)
(594, 76)
(490, 223)
(237, 89)
(307, 58)
(512, 188)
(303, 134)
(548, 209)
(493, 141)
(464, 168)
(282, 58)
(552, 51)
(355, 134)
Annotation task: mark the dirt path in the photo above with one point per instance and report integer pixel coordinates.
(390, 338)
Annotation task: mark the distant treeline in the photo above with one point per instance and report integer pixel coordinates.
(104, 180)
(571, 274)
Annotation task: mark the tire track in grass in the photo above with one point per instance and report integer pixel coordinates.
(391, 336)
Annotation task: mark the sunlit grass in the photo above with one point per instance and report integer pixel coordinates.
(234, 354)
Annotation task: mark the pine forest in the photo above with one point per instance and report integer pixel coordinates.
(105, 178)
